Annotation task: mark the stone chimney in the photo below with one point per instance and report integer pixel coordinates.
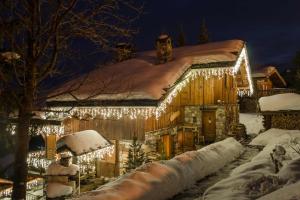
(124, 51)
(164, 48)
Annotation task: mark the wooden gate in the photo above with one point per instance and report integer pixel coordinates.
(209, 125)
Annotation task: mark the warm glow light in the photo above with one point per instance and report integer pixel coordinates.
(146, 112)
(30, 185)
(38, 160)
(86, 161)
(41, 130)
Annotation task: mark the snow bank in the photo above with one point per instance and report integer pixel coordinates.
(84, 141)
(57, 169)
(291, 192)
(257, 178)
(287, 101)
(289, 174)
(253, 122)
(54, 190)
(164, 179)
(275, 136)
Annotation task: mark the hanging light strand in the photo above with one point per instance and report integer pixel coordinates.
(146, 112)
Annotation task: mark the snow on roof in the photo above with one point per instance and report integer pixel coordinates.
(270, 71)
(84, 141)
(57, 169)
(263, 72)
(287, 101)
(142, 77)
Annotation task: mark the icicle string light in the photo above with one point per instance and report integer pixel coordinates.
(146, 112)
(6, 193)
(86, 161)
(38, 160)
(46, 129)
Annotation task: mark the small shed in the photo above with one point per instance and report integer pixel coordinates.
(86, 146)
(268, 78)
(281, 111)
(82, 142)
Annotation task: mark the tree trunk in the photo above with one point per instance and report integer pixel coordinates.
(20, 167)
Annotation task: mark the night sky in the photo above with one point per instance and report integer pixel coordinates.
(271, 28)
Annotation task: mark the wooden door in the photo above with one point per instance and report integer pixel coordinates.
(209, 126)
(51, 146)
(167, 145)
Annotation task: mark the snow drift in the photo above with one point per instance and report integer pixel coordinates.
(288, 101)
(253, 122)
(257, 178)
(164, 179)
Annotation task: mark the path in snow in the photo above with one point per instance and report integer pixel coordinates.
(199, 188)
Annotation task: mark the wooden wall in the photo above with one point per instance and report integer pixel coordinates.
(198, 92)
(124, 128)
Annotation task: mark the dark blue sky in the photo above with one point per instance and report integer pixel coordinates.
(270, 27)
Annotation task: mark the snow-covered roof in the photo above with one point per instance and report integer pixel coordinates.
(83, 142)
(272, 73)
(142, 77)
(287, 101)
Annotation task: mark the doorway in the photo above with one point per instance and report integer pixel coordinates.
(209, 126)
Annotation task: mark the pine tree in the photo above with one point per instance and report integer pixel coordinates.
(136, 156)
(204, 35)
(181, 38)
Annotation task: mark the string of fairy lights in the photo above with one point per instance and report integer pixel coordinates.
(30, 185)
(40, 130)
(146, 112)
(38, 159)
(86, 161)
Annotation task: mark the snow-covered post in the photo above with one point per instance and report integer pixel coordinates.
(62, 178)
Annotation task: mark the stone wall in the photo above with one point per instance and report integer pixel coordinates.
(193, 115)
(220, 123)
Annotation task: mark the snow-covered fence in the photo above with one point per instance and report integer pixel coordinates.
(164, 179)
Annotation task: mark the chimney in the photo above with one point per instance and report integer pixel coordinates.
(124, 51)
(164, 48)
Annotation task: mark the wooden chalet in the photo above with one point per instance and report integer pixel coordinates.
(268, 81)
(173, 99)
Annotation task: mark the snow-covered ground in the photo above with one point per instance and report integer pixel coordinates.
(199, 187)
(253, 122)
(257, 179)
(164, 179)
